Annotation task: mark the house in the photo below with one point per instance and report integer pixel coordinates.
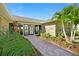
(25, 25)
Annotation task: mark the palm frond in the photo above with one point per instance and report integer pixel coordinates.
(13, 44)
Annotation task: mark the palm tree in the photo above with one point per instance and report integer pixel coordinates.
(69, 14)
(73, 16)
(59, 16)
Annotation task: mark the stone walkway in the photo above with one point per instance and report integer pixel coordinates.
(46, 48)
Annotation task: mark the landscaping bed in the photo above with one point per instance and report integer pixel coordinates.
(13, 44)
(61, 42)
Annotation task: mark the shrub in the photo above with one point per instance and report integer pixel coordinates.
(77, 33)
(13, 44)
(61, 34)
(76, 41)
(48, 35)
(43, 34)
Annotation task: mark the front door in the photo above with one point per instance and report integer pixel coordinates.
(31, 29)
(26, 29)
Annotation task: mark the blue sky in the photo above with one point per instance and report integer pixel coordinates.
(42, 11)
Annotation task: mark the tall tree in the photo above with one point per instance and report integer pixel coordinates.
(59, 16)
(69, 14)
(73, 16)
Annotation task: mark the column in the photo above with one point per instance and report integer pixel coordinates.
(23, 29)
(33, 29)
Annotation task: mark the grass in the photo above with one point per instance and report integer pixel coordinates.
(13, 44)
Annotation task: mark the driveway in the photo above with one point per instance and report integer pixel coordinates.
(46, 48)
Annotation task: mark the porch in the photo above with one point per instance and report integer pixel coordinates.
(29, 29)
(25, 29)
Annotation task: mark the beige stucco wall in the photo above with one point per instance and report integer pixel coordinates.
(51, 29)
(4, 24)
(4, 18)
(78, 27)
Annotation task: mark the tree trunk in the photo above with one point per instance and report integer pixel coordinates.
(65, 32)
(72, 32)
(71, 35)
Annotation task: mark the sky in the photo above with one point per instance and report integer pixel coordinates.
(41, 11)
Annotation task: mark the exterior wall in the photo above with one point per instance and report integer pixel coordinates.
(60, 30)
(78, 27)
(51, 29)
(43, 28)
(4, 24)
(57, 29)
(68, 29)
(4, 18)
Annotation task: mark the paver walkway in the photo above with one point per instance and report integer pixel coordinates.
(46, 48)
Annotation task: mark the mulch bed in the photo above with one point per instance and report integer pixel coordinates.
(74, 48)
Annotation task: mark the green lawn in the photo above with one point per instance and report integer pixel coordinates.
(13, 44)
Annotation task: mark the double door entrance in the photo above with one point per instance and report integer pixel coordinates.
(31, 29)
(28, 29)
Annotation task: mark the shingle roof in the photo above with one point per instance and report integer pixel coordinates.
(26, 19)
